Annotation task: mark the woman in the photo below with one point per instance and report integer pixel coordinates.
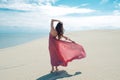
(62, 51)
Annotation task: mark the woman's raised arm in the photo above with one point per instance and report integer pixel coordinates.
(53, 31)
(52, 22)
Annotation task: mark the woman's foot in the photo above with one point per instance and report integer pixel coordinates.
(51, 71)
(56, 67)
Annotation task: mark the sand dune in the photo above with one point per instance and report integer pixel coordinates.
(30, 61)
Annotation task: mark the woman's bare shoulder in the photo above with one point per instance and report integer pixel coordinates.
(53, 33)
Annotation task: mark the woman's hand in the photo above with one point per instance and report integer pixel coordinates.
(68, 39)
(55, 20)
(73, 41)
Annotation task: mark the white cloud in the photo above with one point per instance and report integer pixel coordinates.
(104, 1)
(18, 6)
(28, 1)
(46, 2)
(116, 12)
(46, 7)
(117, 4)
(42, 21)
(63, 10)
(92, 22)
(43, 12)
(85, 4)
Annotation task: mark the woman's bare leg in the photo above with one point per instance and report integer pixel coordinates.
(52, 69)
(56, 67)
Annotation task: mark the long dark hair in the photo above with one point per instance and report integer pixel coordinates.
(60, 30)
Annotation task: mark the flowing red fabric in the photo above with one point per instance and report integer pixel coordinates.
(62, 52)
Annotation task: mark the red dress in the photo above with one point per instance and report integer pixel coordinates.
(62, 52)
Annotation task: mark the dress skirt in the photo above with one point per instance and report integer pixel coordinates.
(62, 52)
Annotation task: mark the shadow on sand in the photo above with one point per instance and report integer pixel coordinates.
(57, 75)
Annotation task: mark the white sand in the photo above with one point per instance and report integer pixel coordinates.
(31, 61)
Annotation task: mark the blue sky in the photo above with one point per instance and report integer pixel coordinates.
(94, 4)
(100, 7)
(103, 6)
(92, 14)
